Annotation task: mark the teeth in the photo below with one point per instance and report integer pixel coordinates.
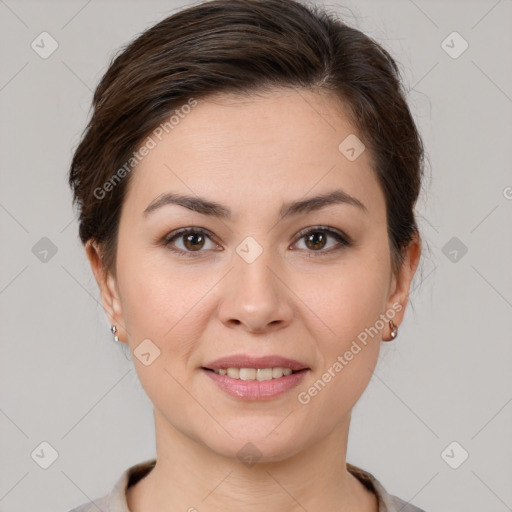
(254, 373)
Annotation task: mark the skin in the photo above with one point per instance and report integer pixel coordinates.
(261, 150)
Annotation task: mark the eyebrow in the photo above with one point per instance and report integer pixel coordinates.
(214, 209)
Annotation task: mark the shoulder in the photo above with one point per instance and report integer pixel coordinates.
(95, 505)
(403, 506)
(115, 500)
(387, 502)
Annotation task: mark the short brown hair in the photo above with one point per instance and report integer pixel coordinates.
(245, 46)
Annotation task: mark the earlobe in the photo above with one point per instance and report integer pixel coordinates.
(393, 331)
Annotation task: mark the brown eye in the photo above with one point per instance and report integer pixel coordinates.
(316, 240)
(193, 241)
(189, 241)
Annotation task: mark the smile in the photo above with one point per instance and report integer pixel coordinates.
(255, 383)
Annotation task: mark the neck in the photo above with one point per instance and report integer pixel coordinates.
(191, 476)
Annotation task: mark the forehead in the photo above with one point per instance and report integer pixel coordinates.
(265, 148)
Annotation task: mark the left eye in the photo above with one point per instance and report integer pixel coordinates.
(315, 239)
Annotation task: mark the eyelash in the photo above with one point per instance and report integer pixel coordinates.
(343, 240)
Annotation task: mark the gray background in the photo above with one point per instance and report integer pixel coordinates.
(447, 376)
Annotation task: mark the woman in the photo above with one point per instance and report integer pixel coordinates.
(246, 188)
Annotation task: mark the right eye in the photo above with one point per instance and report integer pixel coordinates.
(192, 239)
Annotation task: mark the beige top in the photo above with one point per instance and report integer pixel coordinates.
(115, 500)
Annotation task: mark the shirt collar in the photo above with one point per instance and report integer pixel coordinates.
(116, 499)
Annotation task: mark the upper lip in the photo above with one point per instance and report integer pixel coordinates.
(246, 361)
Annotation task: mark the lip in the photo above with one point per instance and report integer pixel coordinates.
(254, 389)
(246, 361)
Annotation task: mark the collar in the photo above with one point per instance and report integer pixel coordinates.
(115, 501)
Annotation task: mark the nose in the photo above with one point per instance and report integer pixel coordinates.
(255, 296)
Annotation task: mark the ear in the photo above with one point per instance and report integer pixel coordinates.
(401, 282)
(107, 285)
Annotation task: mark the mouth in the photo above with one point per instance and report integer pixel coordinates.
(248, 377)
(255, 384)
(259, 374)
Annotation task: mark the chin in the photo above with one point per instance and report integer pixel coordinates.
(259, 442)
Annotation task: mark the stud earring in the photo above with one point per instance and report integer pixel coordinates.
(394, 330)
(113, 329)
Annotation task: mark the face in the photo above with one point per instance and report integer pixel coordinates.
(255, 276)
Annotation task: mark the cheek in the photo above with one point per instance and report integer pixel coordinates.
(151, 294)
(160, 304)
(348, 298)
(351, 306)
(350, 346)
(164, 302)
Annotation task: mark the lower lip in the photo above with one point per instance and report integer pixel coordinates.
(256, 389)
